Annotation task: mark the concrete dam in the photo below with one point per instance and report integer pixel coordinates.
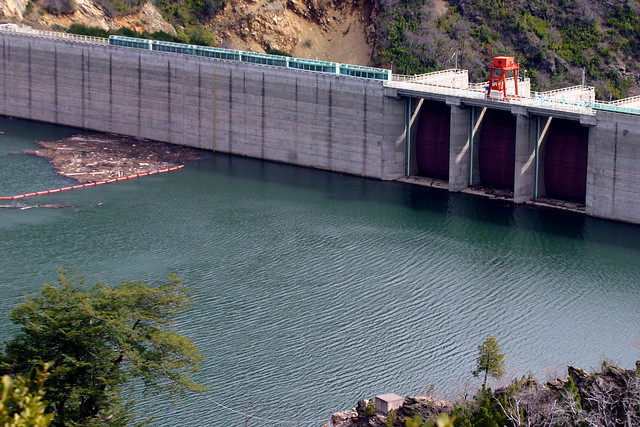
(559, 145)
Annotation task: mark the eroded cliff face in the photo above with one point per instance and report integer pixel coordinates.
(13, 8)
(332, 30)
(87, 12)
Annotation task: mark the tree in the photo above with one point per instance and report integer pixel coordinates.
(490, 360)
(99, 340)
(20, 406)
(443, 420)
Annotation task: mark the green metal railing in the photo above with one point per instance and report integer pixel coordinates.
(616, 108)
(254, 58)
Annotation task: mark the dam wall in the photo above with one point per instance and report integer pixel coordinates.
(613, 169)
(531, 149)
(324, 121)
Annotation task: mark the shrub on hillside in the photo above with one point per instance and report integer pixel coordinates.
(59, 7)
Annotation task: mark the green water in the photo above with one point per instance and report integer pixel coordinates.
(318, 289)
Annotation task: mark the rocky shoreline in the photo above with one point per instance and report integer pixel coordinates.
(100, 157)
(610, 397)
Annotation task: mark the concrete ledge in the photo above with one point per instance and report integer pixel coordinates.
(390, 92)
(519, 110)
(453, 101)
(587, 120)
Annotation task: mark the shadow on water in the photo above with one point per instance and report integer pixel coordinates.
(455, 206)
(25, 130)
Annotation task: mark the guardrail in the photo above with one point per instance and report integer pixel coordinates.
(254, 58)
(616, 108)
(11, 28)
(485, 85)
(567, 89)
(541, 99)
(477, 91)
(625, 101)
(425, 76)
(436, 88)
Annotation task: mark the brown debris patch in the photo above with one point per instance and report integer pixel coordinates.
(90, 158)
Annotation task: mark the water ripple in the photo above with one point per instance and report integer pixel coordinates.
(315, 290)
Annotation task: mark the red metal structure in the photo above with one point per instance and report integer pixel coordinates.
(498, 76)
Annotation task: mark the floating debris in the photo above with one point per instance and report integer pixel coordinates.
(91, 158)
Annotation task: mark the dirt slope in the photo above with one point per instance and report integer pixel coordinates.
(340, 30)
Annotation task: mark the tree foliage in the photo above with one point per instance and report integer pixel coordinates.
(21, 400)
(490, 361)
(443, 420)
(99, 340)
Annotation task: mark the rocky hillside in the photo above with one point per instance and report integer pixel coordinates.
(556, 41)
(85, 12)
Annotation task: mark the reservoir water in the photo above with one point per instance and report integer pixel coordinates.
(317, 289)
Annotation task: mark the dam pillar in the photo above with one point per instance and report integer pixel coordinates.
(524, 179)
(612, 170)
(460, 149)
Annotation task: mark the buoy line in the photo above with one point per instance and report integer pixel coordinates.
(90, 184)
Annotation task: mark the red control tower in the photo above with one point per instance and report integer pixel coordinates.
(498, 76)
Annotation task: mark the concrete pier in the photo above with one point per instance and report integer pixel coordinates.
(459, 146)
(525, 158)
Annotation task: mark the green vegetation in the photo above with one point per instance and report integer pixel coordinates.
(398, 48)
(185, 12)
(187, 16)
(21, 399)
(199, 34)
(490, 361)
(120, 7)
(609, 397)
(552, 40)
(59, 7)
(370, 410)
(279, 52)
(482, 411)
(443, 420)
(99, 341)
(189, 12)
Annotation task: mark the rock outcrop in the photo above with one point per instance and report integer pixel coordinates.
(359, 416)
(13, 8)
(86, 12)
(609, 397)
